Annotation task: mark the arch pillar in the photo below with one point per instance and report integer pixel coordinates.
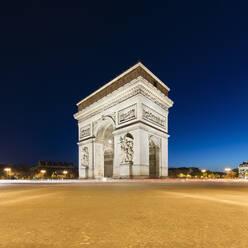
(86, 158)
(98, 158)
(138, 166)
(164, 157)
(155, 168)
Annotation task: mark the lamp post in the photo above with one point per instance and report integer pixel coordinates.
(7, 170)
(43, 172)
(227, 170)
(203, 171)
(65, 172)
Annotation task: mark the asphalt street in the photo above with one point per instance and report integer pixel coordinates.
(124, 214)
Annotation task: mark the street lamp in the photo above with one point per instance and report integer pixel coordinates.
(227, 170)
(7, 170)
(65, 172)
(203, 171)
(43, 172)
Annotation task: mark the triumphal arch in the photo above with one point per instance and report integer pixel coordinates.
(123, 127)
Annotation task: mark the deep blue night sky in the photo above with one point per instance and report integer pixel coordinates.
(54, 54)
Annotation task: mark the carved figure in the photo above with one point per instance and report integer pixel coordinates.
(85, 131)
(85, 157)
(126, 144)
(127, 115)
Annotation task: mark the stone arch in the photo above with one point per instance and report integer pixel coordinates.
(154, 156)
(104, 144)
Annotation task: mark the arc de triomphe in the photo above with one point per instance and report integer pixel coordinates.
(123, 127)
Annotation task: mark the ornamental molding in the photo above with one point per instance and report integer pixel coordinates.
(86, 141)
(157, 132)
(157, 96)
(135, 87)
(106, 98)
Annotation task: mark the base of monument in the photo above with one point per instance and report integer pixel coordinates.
(131, 177)
(124, 177)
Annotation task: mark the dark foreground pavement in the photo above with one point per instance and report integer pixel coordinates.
(126, 214)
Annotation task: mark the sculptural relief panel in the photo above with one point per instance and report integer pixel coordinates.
(127, 114)
(85, 131)
(153, 116)
(84, 161)
(126, 144)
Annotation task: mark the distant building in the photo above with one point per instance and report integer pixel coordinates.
(51, 169)
(243, 170)
(14, 171)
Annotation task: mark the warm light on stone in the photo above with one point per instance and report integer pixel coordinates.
(123, 127)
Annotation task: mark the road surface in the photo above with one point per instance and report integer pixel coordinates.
(124, 214)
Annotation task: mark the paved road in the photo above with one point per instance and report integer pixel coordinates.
(129, 214)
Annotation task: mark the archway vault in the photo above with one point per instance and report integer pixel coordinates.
(105, 139)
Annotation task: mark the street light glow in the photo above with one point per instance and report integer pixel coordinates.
(65, 172)
(228, 169)
(203, 171)
(43, 171)
(7, 169)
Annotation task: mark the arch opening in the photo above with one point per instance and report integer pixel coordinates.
(105, 140)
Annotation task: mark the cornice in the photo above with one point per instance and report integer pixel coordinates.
(135, 87)
(139, 64)
(141, 125)
(155, 93)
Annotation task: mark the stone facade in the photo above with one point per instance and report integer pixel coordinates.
(124, 134)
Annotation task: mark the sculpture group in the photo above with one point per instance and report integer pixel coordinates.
(126, 143)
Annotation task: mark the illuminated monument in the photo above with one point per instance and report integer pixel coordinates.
(123, 127)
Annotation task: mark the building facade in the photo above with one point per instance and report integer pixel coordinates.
(53, 169)
(123, 127)
(243, 170)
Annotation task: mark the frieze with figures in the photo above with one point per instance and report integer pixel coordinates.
(152, 116)
(85, 131)
(127, 114)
